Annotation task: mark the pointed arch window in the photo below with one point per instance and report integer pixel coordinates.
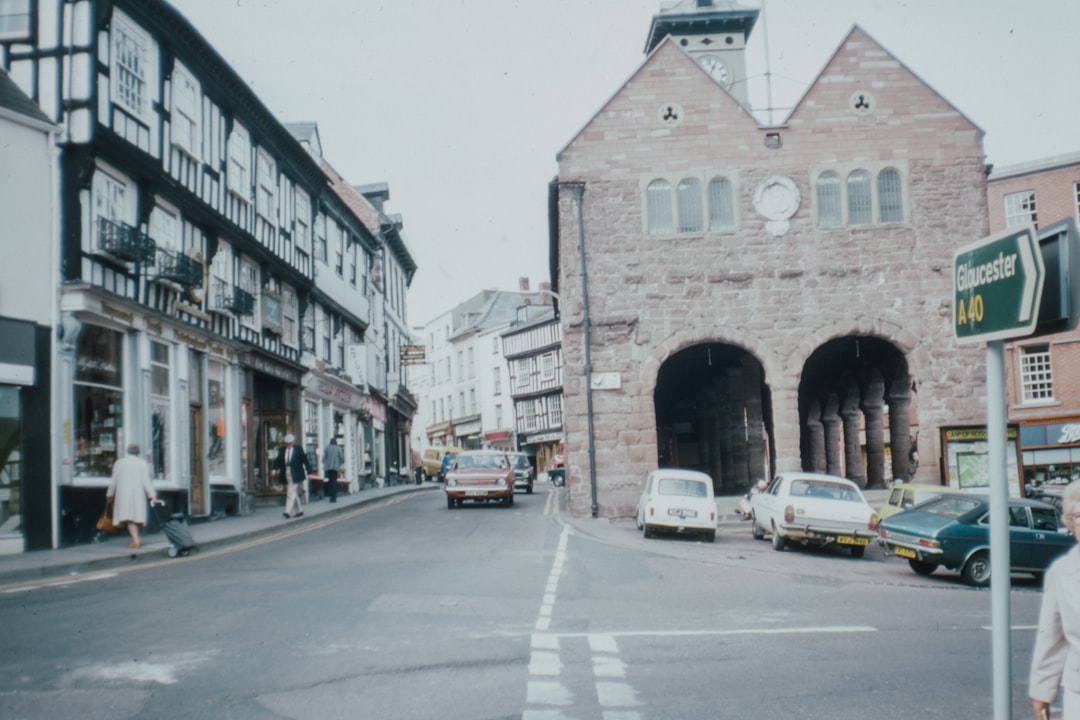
(690, 214)
(721, 204)
(828, 200)
(860, 203)
(890, 196)
(658, 207)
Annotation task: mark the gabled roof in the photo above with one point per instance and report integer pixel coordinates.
(14, 102)
(856, 33)
(307, 134)
(666, 45)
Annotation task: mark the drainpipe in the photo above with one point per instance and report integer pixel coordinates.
(579, 193)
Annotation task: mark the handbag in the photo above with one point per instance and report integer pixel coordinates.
(105, 523)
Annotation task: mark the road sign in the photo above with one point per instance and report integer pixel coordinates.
(998, 283)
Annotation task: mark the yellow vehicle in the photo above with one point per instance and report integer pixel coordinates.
(903, 496)
(433, 458)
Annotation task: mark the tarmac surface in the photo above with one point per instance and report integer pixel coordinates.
(113, 552)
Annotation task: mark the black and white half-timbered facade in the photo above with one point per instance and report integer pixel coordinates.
(213, 284)
(533, 352)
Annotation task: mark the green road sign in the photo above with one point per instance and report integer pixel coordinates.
(998, 283)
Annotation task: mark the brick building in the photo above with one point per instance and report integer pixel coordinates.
(757, 298)
(1043, 374)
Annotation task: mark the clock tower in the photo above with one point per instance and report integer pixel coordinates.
(714, 33)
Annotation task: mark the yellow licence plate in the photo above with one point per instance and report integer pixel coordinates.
(904, 552)
(848, 540)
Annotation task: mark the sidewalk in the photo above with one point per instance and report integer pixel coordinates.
(113, 552)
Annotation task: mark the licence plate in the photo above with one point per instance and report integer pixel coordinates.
(677, 512)
(849, 540)
(476, 493)
(904, 552)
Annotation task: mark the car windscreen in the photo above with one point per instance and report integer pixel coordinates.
(520, 461)
(823, 489)
(950, 505)
(682, 486)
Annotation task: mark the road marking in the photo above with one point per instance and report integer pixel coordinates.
(57, 582)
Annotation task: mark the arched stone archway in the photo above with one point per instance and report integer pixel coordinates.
(856, 401)
(714, 414)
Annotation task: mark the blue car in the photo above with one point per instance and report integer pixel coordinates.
(953, 531)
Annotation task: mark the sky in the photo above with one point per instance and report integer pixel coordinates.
(462, 105)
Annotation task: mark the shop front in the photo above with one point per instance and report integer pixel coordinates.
(332, 408)
(500, 440)
(542, 447)
(1051, 450)
(272, 392)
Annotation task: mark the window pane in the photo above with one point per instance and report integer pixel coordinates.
(860, 210)
(1036, 379)
(890, 196)
(690, 216)
(658, 207)
(98, 400)
(721, 205)
(1020, 209)
(828, 200)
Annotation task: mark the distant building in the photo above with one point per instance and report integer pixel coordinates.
(1043, 374)
(532, 348)
(762, 298)
(29, 308)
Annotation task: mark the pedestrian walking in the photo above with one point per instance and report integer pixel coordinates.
(293, 465)
(332, 460)
(1055, 661)
(129, 489)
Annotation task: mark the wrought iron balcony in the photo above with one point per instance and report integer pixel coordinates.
(231, 298)
(179, 268)
(124, 242)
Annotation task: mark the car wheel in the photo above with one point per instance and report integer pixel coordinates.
(977, 570)
(528, 490)
(922, 568)
(778, 541)
(649, 532)
(710, 536)
(857, 551)
(449, 503)
(755, 529)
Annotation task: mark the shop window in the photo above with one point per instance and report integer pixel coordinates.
(215, 415)
(15, 19)
(828, 200)
(1020, 209)
(10, 460)
(160, 427)
(1036, 378)
(99, 400)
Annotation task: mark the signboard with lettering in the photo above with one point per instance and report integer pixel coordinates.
(998, 284)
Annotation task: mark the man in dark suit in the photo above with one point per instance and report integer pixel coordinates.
(292, 461)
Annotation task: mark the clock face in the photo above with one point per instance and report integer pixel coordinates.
(716, 68)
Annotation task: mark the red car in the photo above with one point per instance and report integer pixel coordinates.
(481, 476)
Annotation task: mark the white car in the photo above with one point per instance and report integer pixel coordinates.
(813, 509)
(677, 501)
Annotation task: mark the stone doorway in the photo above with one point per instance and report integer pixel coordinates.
(714, 414)
(856, 401)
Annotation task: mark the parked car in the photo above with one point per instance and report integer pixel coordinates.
(479, 475)
(813, 509)
(1050, 495)
(523, 471)
(678, 501)
(904, 496)
(953, 531)
(433, 461)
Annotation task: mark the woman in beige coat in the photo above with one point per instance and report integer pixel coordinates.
(1055, 661)
(130, 483)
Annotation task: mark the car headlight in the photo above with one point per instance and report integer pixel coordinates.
(451, 482)
(501, 482)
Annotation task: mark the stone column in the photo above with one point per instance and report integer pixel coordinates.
(900, 426)
(852, 417)
(873, 406)
(756, 461)
(815, 440)
(786, 427)
(830, 419)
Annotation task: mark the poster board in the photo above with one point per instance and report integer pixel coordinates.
(966, 462)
